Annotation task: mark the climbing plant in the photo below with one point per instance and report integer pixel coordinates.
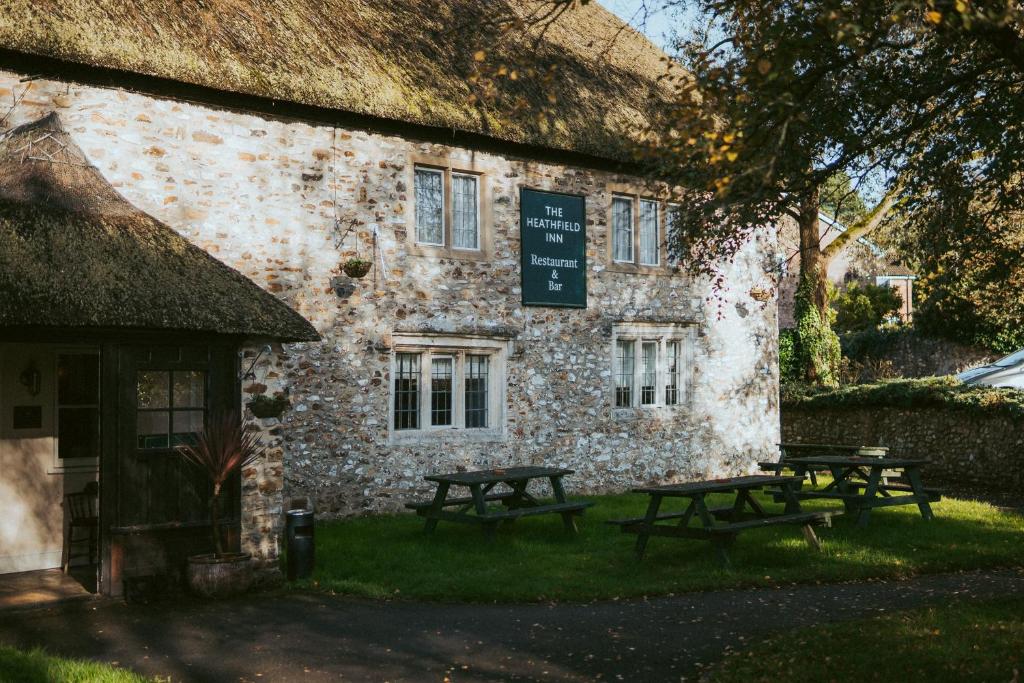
(817, 345)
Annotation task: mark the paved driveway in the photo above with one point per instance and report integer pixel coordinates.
(309, 637)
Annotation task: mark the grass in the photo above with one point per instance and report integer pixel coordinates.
(17, 666)
(983, 642)
(534, 560)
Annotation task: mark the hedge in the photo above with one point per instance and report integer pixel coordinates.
(930, 392)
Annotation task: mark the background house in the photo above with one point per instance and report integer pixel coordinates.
(284, 143)
(861, 261)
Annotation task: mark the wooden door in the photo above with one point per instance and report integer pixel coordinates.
(167, 394)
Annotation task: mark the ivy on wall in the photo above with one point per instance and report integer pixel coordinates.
(816, 345)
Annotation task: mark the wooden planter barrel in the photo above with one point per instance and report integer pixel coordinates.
(217, 576)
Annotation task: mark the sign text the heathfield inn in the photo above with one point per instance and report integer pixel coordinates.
(554, 235)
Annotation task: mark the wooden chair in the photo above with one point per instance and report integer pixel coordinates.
(83, 509)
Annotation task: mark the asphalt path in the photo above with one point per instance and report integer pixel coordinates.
(287, 636)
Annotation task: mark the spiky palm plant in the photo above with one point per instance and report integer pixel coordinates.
(224, 447)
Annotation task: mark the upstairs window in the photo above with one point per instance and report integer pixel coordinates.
(429, 192)
(466, 211)
(650, 364)
(640, 228)
(650, 240)
(448, 212)
(622, 229)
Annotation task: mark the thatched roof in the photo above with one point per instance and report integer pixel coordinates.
(404, 60)
(76, 254)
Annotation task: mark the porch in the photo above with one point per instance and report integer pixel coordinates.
(119, 339)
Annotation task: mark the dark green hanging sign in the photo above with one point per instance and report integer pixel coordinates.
(554, 236)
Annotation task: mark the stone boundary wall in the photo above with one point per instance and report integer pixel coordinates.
(913, 355)
(969, 450)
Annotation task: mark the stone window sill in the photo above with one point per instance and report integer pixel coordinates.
(439, 436)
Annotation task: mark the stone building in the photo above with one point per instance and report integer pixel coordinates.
(520, 306)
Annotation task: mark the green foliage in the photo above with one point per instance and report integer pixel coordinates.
(862, 307)
(789, 368)
(873, 342)
(973, 288)
(817, 347)
(946, 393)
(535, 560)
(842, 201)
(782, 97)
(951, 642)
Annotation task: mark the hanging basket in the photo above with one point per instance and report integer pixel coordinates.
(356, 267)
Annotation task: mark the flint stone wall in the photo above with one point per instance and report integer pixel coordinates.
(970, 451)
(265, 197)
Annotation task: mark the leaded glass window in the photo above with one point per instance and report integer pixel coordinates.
(477, 368)
(622, 229)
(671, 373)
(429, 191)
(649, 373)
(624, 362)
(407, 391)
(465, 206)
(648, 232)
(441, 396)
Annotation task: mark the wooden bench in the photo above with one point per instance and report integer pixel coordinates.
(504, 498)
(934, 494)
(745, 512)
(517, 502)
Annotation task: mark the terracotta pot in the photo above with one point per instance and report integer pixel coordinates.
(218, 576)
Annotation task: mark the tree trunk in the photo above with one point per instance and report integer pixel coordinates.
(817, 344)
(813, 263)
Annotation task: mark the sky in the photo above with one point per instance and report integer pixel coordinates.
(657, 25)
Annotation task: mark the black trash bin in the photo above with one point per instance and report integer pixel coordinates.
(299, 535)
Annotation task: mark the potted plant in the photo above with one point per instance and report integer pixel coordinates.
(221, 450)
(356, 267)
(264, 406)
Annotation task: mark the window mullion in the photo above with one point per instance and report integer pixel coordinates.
(426, 366)
(458, 398)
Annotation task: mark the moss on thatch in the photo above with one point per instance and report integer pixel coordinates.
(405, 60)
(77, 254)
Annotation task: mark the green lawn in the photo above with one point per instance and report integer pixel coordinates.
(533, 560)
(35, 666)
(951, 643)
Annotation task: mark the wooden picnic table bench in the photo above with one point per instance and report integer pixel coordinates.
(798, 450)
(516, 501)
(721, 525)
(860, 483)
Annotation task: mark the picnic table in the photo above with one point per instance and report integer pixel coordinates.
(721, 525)
(860, 483)
(515, 499)
(801, 450)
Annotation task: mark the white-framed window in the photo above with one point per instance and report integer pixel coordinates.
(466, 211)
(438, 189)
(443, 386)
(429, 192)
(650, 237)
(622, 229)
(651, 364)
(673, 213)
(640, 231)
